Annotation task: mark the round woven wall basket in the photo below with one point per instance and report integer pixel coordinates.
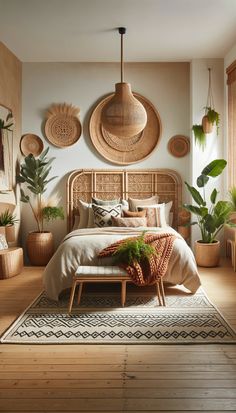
(63, 127)
(31, 143)
(179, 146)
(129, 150)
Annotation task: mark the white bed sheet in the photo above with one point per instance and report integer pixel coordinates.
(82, 246)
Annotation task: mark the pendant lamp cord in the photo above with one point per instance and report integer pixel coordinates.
(210, 101)
(121, 58)
(122, 31)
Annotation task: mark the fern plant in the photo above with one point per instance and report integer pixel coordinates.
(200, 136)
(50, 213)
(132, 250)
(213, 117)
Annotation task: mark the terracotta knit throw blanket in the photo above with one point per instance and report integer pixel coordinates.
(148, 272)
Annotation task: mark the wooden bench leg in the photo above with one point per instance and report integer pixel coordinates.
(162, 292)
(123, 293)
(80, 291)
(158, 292)
(72, 293)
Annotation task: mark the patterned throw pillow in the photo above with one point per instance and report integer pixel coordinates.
(134, 203)
(103, 214)
(134, 214)
(129, 222)
(155, 215)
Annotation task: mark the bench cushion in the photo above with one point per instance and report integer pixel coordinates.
(99, 270)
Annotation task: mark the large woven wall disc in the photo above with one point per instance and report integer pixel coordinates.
(129, 150)
(62, 127)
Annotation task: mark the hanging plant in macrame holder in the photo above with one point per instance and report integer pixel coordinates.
(210, 118)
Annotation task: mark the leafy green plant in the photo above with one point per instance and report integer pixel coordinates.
(213, 117)
(34, 172)
(200, 136)
(209, 219)
(51, 213)
(134, 250)
(7, 218)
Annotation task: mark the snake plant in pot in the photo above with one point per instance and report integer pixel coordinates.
(34, 172)
(211, 215)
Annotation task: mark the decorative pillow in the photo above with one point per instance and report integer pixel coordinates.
(168, 214)
(134, 203)
(129, 222)
(103, 202)
(82, 222)
(155, 215)
(103, 214)
(134, 214)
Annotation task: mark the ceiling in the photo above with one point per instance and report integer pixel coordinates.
(85, 30)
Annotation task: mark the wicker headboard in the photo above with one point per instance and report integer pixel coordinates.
(135, 183)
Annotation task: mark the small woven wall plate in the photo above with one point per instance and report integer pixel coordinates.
(179, 146)
(31, 143)
(125, 151)
(63, 127)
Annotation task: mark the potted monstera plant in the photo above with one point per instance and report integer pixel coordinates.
(211, 215)
(35, 173)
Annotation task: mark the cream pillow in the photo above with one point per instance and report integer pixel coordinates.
(134, 203)
(155, 215)
(129, 222)
(82, 220)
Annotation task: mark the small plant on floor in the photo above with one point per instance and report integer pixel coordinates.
(132, 250)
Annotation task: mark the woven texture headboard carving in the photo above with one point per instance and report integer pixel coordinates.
(135, 183)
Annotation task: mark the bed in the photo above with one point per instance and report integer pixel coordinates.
(81, 246)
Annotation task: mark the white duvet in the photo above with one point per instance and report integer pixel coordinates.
(82, 246)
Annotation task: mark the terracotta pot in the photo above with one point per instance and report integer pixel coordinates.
(207, 255)
(10, 233)
(207, 126)
(40, 247)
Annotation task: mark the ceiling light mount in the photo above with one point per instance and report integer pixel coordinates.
(123, 115)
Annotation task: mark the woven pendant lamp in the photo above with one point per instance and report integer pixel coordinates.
(123, 116)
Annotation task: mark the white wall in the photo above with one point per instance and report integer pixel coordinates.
(215, 144)
(166, 85)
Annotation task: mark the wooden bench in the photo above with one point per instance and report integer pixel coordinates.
(86, 273)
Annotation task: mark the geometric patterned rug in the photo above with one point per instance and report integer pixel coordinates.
(186, 319)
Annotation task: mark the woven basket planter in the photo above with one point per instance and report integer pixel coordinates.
(207, 126)
(40, 247)
(207, 255)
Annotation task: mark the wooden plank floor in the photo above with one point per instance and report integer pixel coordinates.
(117, 378)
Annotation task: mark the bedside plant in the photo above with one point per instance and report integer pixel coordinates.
(34, 172)
(210, 219)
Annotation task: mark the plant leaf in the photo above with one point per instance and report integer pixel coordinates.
(213, 196)
(214, 168)
(202, 180)
(196, 195)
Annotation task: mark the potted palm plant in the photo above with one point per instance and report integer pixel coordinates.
(211, 215)
(34, 172)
